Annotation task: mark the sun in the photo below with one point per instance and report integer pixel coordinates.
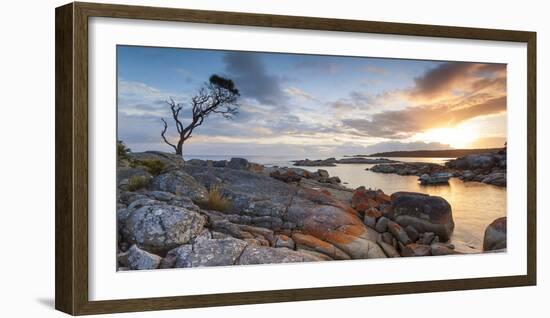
(457, 137)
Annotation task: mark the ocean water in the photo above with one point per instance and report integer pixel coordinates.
(474, 204)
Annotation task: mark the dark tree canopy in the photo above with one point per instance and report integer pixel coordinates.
(218, 96)
(224, 83)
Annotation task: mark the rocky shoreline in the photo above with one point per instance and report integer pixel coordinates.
(487, 168)
(176, 214)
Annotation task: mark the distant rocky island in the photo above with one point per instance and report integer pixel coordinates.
(447, 153)
(331, 162)
(488, 167)
(173, 213)
(481, 165)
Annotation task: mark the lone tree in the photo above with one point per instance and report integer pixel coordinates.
(218, 96)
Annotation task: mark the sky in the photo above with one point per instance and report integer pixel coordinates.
(312, 105)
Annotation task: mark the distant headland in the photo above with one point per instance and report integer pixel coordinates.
(447, 153)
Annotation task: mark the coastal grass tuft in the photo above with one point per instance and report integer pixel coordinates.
(153, 166)
(137, 182)
(216, 200)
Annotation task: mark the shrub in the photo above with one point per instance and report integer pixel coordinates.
(154, 166)
(216, 200)
(137, 182)
(121, 150)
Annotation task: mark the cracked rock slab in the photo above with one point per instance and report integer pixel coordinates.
(138, 259)
(253, 254)
(160, 228)
(206, 252)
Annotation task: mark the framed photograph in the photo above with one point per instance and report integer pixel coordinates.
(211, 158)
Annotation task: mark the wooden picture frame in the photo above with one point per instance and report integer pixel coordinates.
(71, 89)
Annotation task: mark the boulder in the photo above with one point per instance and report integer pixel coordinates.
(289, 175)
(161, 195)
(323, 173)
(383, 168)
(180, 183)
(314, 254)
(196, 162)
(371, 216)
(497, 178)
(256, 167)
(414, 249)
(219, 163)
(382, 224)
(159, 228)
(268, 255)
(332, 221)
(424, 213)
(387, 237)
(439, 249)
(412, 233)
(334, 180)
(238, 164)
(207, 252)
(364, 199)
(436, 178)
(468, 175)
(337, 191)
(410, 168)
(389, 249)
(472, 162)
(382, 198)
(428, 237)
(398, 232)
(138, 259)
(495, 235)
(309, 242)
(282, 240)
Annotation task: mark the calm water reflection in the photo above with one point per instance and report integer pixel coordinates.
(474, 204)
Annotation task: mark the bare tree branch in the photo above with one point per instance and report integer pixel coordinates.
(163, 134)
(218, 96)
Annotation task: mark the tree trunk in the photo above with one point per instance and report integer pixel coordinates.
(179, 148)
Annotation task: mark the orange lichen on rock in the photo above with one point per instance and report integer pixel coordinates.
(312, 243)
(382, 198)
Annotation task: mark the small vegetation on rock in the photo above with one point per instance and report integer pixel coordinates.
(216, 200)
(137, 182)
(153, 166)
(122, 150)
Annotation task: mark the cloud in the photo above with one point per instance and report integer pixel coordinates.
(140, 107)
(457, 78)
(488, 142)
(405, 146)
(252, 78)
(443, 96)
(188, 76)
(376, 70)
(319, 64)
(140, 99)
(296, 92)
(404, 123)
(355, 100)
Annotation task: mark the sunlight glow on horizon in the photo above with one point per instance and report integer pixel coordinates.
(298, 104)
